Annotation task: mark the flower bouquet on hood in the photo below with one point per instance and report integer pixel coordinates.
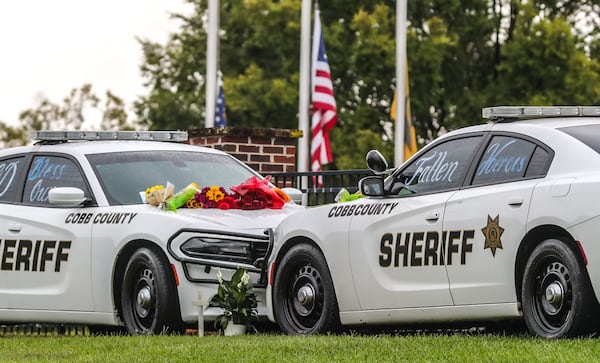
(257, 194)
(215, 197)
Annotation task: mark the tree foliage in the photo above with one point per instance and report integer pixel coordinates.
(462, 55)
(81, 107)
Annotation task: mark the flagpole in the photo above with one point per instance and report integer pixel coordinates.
(304, 102)
(212, 45)
(400, 81)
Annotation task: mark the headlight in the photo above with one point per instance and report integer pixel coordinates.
(219, 248)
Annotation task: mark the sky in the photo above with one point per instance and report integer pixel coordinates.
(49, 47)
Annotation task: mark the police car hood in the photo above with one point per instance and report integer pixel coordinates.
(238, 219)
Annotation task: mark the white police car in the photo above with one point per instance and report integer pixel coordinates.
(79, 246)
(490, 222)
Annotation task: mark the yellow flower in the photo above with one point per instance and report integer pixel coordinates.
(151, 189)
(215, 194)
(192, 203)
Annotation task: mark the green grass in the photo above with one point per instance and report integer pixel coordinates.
(273, 347)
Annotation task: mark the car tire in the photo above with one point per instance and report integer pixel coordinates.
(304, 300)
(557, 297)
(149, 303)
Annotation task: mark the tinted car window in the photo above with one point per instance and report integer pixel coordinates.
(9, 171)
(505, 158)
(540, 161)
(441, 168)
(124, 175)
(587, 134)
(47, 172)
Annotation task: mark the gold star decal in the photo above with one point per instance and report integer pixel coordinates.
(492, 233)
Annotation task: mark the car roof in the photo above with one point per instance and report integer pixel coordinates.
(533, 119)
(82, 148)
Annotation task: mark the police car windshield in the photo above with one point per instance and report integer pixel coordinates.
(124, 175)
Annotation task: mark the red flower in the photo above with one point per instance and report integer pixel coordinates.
(223, 205)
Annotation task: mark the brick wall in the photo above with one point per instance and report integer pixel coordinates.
(264, 150)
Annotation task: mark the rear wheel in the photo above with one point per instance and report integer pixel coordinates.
(149, 302)
(303, 295)
(557, 297)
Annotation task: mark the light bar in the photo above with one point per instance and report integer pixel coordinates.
(529, 112)
(174, 136)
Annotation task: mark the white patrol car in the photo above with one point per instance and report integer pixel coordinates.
(490, 222)
(79, 246)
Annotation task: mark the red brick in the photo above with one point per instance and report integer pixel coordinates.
(211, 141)
(272, 168)
(235, 139)
(230, 148)
(272, 149)
(262, 152)
(279, 159)
(261, 158)
(261, 140)
(255, 166)
(242, 157)
(249, 148)
(286, 141)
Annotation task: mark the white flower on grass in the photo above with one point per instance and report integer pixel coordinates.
(220, 276)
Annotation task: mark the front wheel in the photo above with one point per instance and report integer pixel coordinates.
(557, 297)
(304, 299)
(149, 302)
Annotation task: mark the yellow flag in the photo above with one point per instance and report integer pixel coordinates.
(410, 136)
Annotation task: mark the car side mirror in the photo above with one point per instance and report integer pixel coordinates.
(66, 197)
(376, 162)
(371, 186)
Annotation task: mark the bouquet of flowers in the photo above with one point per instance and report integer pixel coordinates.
(158, 194)
(257, 194)
(251, 194)
(215, 197)
(181, 198)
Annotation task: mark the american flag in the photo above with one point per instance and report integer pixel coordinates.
(323, 103)
(220, 116)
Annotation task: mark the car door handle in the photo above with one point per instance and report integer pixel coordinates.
(14, 227)
(515, 201)
(433, 216)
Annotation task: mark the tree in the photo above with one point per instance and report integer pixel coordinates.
(259, 61)
(547, 51)
(462, 55)
(82, 107)
(12, 136)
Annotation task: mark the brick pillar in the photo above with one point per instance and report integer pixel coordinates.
(264, 150)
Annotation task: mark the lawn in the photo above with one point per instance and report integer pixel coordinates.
(274, 347)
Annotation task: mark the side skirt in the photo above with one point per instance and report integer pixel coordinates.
(484, 312)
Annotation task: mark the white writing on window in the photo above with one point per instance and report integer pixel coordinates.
(496, 162)
(433, 169)
(7, 175)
